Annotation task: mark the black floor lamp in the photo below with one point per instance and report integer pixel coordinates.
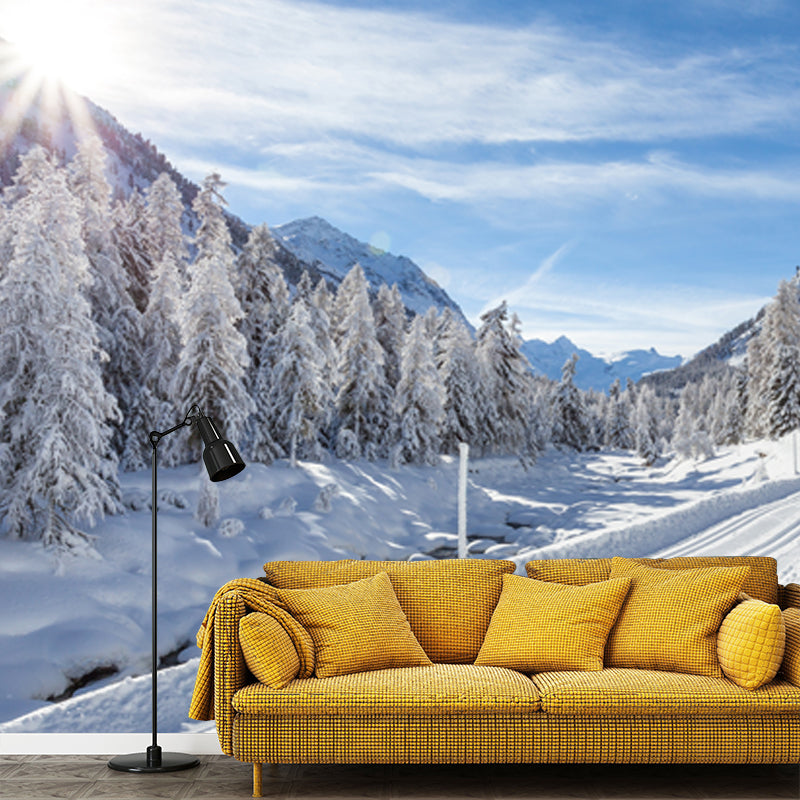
(222, 462)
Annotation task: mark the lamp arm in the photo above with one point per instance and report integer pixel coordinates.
(191, 417)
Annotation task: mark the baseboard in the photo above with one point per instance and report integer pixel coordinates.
(105, 743)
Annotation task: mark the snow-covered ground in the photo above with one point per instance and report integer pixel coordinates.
(64, 619)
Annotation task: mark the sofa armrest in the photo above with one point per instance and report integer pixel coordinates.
(790, 595)
(791, 654)
(223, 669)
(230, 669)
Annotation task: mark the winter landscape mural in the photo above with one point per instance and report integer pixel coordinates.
(133, 285)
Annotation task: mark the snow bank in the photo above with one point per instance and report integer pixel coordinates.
(646, 538)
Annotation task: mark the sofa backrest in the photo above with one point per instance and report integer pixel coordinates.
(761, 583)
(448, 602)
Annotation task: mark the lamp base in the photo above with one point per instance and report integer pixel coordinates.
(153, 761)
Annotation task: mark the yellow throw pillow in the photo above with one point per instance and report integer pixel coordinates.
(269, 652)
(670, 618)
(356, 627)
(543, 627)
(750, 643)
(791, 655)
(448, 602)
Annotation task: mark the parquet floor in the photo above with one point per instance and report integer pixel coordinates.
(44, 777)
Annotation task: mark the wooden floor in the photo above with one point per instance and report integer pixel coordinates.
(217, 777)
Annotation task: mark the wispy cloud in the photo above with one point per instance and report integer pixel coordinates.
(523, 294)
(346, 169)
(279, 70)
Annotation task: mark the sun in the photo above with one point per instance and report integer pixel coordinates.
(63, 41)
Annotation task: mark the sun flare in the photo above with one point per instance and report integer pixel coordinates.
(64, 42)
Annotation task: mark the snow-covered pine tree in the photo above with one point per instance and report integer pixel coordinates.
(571, 423)
(780, 331)
(461, 379)
(390, 324)
(262, 445)
(129, 233)
(757, 378)
(262, 292)
(596, 404)
(731, 430)
(690, 438)
(164, 244)
(163, 234)
(264, 298)
(432, 325)
(299, 397)
(508, 384)
(418, 401)
(684, 423)
(59, 466)
(719, 386)
(619, 431)
(646, 426)
(118, 321)
(363, 400)
(319, 309)
(212, 364)
(542, 412)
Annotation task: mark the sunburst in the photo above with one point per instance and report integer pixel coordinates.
(52, 52)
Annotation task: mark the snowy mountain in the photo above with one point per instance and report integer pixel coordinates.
(312, 244)
(593, 372)
(333, 252)
(729, 350)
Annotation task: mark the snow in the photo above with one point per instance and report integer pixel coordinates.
(63, 619)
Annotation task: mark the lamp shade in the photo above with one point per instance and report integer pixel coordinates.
(221, 458)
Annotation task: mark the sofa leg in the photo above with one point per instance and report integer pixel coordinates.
(256, 780)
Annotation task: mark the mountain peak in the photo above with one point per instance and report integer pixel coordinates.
(334, 252)
(593, 372)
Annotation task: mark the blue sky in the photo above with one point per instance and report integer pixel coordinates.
(623, 173)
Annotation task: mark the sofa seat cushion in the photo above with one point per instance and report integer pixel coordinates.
(438, 689)
(619, 691)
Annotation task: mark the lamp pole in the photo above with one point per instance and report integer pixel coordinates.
(222, 462)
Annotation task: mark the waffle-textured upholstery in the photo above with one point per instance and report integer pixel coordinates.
(619, 691)
(761, 582)
(539, 625)
(448, 603)
(268, 650)
(536, 738)
(436, 690)
(751, 642)
(356, 627)
(670, 618)
(462, 713)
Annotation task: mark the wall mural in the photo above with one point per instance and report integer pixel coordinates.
(601, 209)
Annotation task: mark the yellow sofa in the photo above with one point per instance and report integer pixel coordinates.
(454, 711)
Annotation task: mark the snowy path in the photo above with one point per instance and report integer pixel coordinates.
(771, 529)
